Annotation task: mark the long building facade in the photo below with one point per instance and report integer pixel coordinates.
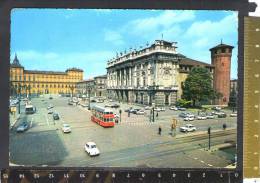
(34, 82)
(153, 75)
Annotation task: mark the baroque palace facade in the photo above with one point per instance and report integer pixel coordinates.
(36, 82)
(155, 74)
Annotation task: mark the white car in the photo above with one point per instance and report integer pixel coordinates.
(210, 116)
(116, 115)
(174, 108)
(162, 109)
(158, 109)
(189, 118)
(201, 117)
(188, 128)
(91, 149)
(140, 112)
(66, 128)
(50, 111)
(50, 106)
(147, 108)
(233, 114)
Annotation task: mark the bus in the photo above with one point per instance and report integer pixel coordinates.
(103, 116)
(29, 109)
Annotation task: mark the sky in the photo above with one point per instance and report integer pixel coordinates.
(57, 39)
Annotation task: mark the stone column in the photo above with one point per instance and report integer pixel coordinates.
(130, 76)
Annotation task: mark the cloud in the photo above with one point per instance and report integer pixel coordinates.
(113, 37)
(162, 21)
(213, 28)
(90, 62)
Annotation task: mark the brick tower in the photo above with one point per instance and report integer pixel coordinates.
(221, 59)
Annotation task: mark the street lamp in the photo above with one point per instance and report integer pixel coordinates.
(209, 131)
(89, 90)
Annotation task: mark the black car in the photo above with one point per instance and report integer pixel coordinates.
(134, 111)
(115, 106)
(222, 115)
(50, 98)
(56, 116)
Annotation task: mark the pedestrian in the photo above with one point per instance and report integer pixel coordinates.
(160, 130)
(157, 114)
(116, 120)
(172, 127)
(224, 126)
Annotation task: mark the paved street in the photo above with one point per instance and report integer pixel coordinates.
(133, 142)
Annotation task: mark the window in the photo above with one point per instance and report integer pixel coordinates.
(24, 78)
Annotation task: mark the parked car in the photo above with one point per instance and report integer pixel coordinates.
(91, 149)
(181, 109)
(222, 115)
(173, 108)
(234, 114)
(56, 116)
(189, 118)
(216, 108)
(50, 111)
(128, 110)
(50, 106)
(183, 114)
(158, 109)
(148, 108)
(140, 112)
(188, 128)
(134, 111)
(66, 128)
(201, 117)
(210, 116)
(115, 106)
(162, 109)
(22, 127)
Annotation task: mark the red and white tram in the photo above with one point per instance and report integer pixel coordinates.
(103, 116)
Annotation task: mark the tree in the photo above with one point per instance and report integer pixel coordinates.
(198, 86)
(232, 99)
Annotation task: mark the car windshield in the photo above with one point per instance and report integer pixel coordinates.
(66, 125)
(93, 146)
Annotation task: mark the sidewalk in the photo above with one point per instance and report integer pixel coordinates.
(13, 119)
(202, 133)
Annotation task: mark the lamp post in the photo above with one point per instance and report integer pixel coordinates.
(209, 131)
(89, 90)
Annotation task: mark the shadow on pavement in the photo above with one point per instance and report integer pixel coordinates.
(36, 148)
